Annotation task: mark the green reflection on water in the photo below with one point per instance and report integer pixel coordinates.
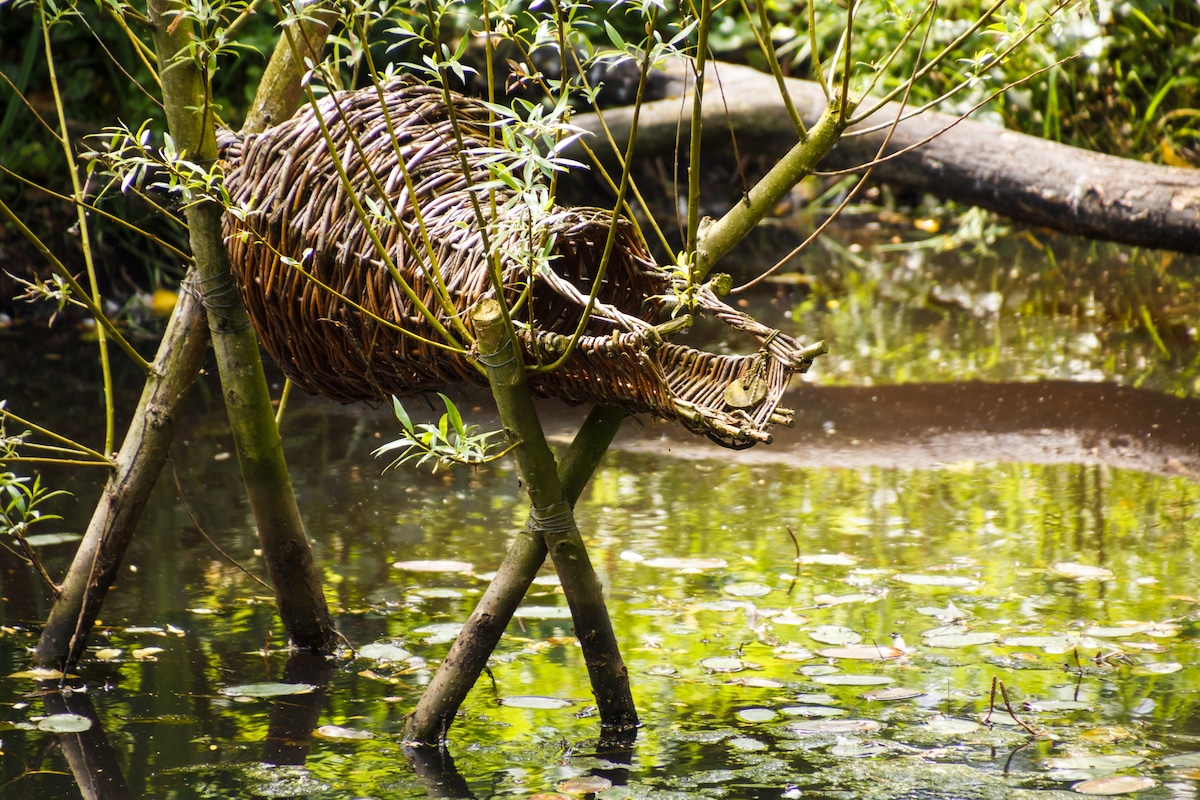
(1002, 528)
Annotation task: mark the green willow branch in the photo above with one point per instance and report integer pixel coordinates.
(78, 291)
(693, 203)
(85, 239)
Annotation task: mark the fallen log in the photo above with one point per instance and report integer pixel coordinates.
(1029, 179)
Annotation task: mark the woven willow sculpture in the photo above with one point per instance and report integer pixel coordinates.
(331, 312)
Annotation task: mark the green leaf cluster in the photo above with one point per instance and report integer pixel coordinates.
(450, 441)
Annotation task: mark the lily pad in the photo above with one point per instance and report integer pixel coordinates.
(434, 565)
(852, 680)
(961, 639)
(891, 693)
(1157, 668)
(949, 581)
(840, 727)
(440, 632)
(755, 715)
(1097, 762)
(792, 652)
(757, 683)
(835, 634)
(338, 732)
(865, 652)
(383, 651)
(585, 784)
(828, 559)
(843, 599)
(814, 712)
(1115, 631)
(950, 613)
(723, 664)
(267, 689)
(952, 726)
(746, 589)
(687, 564)
(1115, 784)
(543, 612)
(1082, 572)
(540, 702)
(64, 723)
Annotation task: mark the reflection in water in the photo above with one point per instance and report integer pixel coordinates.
(1044, 533)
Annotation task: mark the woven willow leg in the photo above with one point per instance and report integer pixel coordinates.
(428, 723)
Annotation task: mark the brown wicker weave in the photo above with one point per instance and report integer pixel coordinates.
(304, 307)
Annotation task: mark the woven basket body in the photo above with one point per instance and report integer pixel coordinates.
(327, 305)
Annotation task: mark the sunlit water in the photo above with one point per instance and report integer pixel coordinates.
(957, 573)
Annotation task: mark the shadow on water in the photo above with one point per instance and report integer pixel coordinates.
(972, 491)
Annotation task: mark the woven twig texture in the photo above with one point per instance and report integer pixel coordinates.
(329, 305)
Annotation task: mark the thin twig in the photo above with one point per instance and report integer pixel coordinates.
(796, 575)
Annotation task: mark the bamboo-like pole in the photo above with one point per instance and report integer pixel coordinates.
(429, 722)
(286, 550)
(138, 464)
(553, 518)
(140, 459)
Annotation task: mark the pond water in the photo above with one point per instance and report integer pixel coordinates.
(968, 572)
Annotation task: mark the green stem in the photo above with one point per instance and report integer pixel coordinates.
(719, 237)
(693, 205)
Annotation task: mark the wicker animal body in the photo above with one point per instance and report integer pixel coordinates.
(330, 312)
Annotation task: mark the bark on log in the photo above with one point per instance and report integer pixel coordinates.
(1029, 179)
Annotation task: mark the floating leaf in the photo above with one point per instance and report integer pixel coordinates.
(1109, 763)
(960, 639)
(891, 693)
(145, 653)
(585, 784)
(836, 726)
(834, 634)
(852, 680)
(1082, 572)
(854, 749)
(383, 651)
(1157, 668)
(828, 559)
(441, 632)
(267, 689)
(837, 600)
(788, 618)
(865, 652)
(951, 612)
(540, 702)
(755, 715)
(434, 565)
(1114, 784)
(109, 653)
(757, 683)
(746, 589)
(688, 564)
(814, 712)
(1182, 760)
(950, 581)
(543, 612)
(818, 669)
(723, 664)
(953, 726)
(1115, 631)
(64, 723)
(792, 652)
(1057, 705)
(41, 674)
(338, 732)
(747, 745)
